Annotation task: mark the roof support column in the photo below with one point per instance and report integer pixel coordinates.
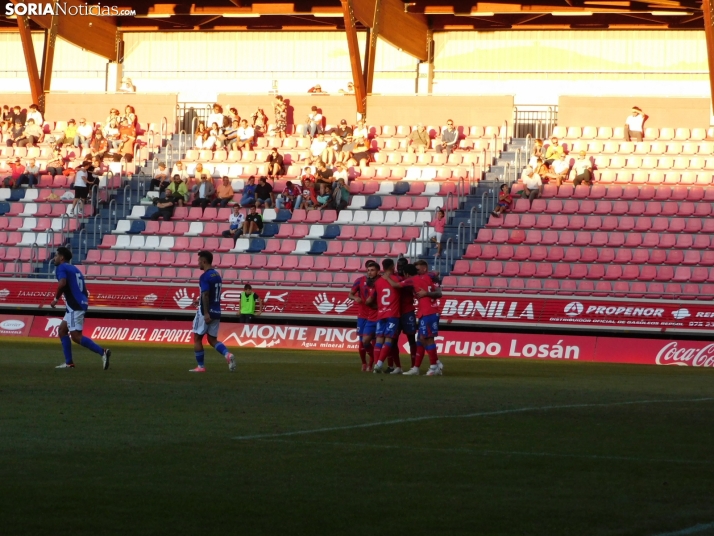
(48, 56)
(371, 52)
(425, 69)
(708, 9)
(353, 45)
(23, 25)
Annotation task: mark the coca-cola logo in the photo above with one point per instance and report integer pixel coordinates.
(672, 354)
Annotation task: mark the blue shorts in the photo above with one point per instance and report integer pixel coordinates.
(387, 327)
(408, 323)
(429, 326)
(366, 327)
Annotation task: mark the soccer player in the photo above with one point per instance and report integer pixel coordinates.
(208, 314)
(407, 320)
(76, 298)
(428, 315)
(362, 291)
(387, 297)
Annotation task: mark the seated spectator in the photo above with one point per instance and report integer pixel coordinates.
(438, 224)
(231, 135)
(314, 122)
(334, 147)
(200, 135)
(99, 170)
(554, 149)
(449, 139)
(344, 138)
(199, 172)
(127, 137)
(317, 88)
(84, 134)
(15, 135)
(33, 134)
(213, 141)
(341, 172)
(340, 196)
(505, 199)
(246, 135)
(634, 125)
(56, 165)
(31, 175)
(235, 221)
(264, 195)
(127, 86)
(260, 121)
(17, 169)
(559, 170)
(324, 196)
(583, 170)
(308, 173)
(324, 175)
(248, 197)
(113, 116)
(177, 191)
(307, 199)
(6, 118)
(361, 154)
(203, 193)
(537, 153)
(276, 167)
(419, 140)
(253, 224)
(216, 116)
(130, 116)
(81, 187)
(98, 146)
(542, 170)
(111, 133)
(18, 116)
(289, 197)
(161, 178)
(166, 209)
(70, 133)
(35, 115)
(179, 170)
(318, 147)
(360, 131)
(224, 193)
(532, 184)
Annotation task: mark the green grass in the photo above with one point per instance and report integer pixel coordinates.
(147, 448)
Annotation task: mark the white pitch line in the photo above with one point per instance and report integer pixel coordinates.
(691, 530)
(464, 416)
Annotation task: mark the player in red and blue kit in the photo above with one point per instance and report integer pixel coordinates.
(208, 315)
(362, 292)
(388, 314)
(76, 299)
(428, 314)
(407, 320)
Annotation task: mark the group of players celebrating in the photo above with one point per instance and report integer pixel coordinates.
(386, 309)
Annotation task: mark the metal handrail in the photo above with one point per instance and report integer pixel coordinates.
(496, 149)
(82, 233)
(170, 155)
(447, 257)
(448, 208)
(126, 199)
(34, 256)
(64, 218)
(164, 129)
(504, 137)
(411, 253)
(141, 188)
(461, 189)
(49, 244)
(472, 224)
(181, 142)
(94, 228)
(483, 208)
(112, 213)
(461, 229)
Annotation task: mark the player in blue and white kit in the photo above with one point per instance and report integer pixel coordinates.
(208, 315)
(76, 298)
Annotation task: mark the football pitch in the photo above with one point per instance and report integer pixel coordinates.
(299, 442)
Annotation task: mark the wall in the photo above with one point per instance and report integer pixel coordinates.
(612, 111)
(334, 107)
(150, 108)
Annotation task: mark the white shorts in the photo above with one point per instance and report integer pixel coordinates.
(74, 319)
(201, 328)
(434, 234)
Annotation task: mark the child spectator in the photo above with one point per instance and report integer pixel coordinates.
(505, 199)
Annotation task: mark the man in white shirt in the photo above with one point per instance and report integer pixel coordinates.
(532, 184)
(244, 141)
(634, 125)
(449, 139)
(360, 131)
(84, 134)
(81, 190)
(341, 172)
(559, 169)
(314, 122)
(179, 170)
(31, 175)
(318, 146)
(583, 170)
(35, 115)
(235, 221)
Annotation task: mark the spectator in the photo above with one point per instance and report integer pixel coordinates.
(231, 135)
(583, 170)
(253, 224)
(275, 163)
(340, 196)
(31, 175)
(84, 134)
(35, 115)
(559, 170)
(250, 305)
(92, 179)
(15, 134)
(334, 147)
(308, 174)
(307, 199)
(130, 116)
(127, 86)
(438, 224)
(537, 153)
(289, 197)
(235, 224)
(179, 170)
(56, 165)
(127, 137)
(216, 116)
(213, 141)
(224, 193)
(70, 133)
(449, 139)
(634, 125)
(360, 131)
(318, 147)
(341, 172)
(542, 170)
(161, 178)
(314, 122)
(360, 155)
(532, 184)
(317, 88)
(111, 133)
(554, 149)
(232, 115)
(17, 169)
(324, 175)
(200, 173)
(246, 135)
(203, 193)
(344, 136)
(33, 134)
(324, 197)
(280, 110)
(248, 197)
(201, 135)
(264, 195)
(419, 140)
(260, 121)
(100, 170)
(166, 209)
(6, 118)
(177, 191)
(505, 199)
(98, 145)
(81, 188)
(113, 116)
(18, 116)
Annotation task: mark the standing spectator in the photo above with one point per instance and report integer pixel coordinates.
(35, 115)
(246, 135)
(166, 209)
(216, 116)
(179, 170)
(275, 163)
(449, 139)
(505, 199)
(634, 125)
(231, 135)
(224, 193)
(340, 196)
(318, 147)
(419, 140)
(32, 136)
(31, 175)
(324, 175)
(98, 146)
(177, 191)
(56, 165)
(438, 224)
(99, 170)
(264, 195)
(161, 178)
(537, 152)
(81, 189)
(280, 110)
(250, 305)
(554, 149)
(84, 134)
(233, 115)
(15, 134)
(253, 224)
(248, 197)
(583, 170)
(127, 86)
(203, 193)
(289, 197)
(532, 184)
(314, 122)
(235, 224)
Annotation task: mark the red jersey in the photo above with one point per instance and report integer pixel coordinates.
(406, 300)
(427, 306)
(387, 298)
(364, 291)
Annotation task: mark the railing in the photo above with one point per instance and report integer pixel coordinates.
(538, 121)
(96, 227)
(170, 154)
(126, 199)
(34, 256)
(95, 197)
(461, 236)
(504, 136)
(82, 239)
(181, 145)
(461, 191)
(472, 223)
(112, 213)
(197, 111)
(164, 130)
(412, 250)
(449, 206)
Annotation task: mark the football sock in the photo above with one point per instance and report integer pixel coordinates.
(67, 348)
(412, 347)
(199, 358)
(362, 352)
(377, 351)
(89, 344)
(419, 355)
(385, 354)
(431, 352)
(369, 350)
(221, 349)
